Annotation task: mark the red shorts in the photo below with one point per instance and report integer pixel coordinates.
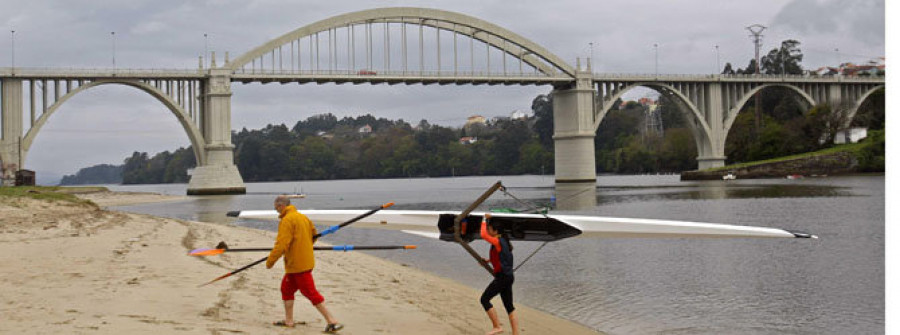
(302, 281)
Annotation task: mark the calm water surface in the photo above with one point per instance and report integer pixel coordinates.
(833, 285)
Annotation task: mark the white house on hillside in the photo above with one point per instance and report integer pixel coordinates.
(851, 135)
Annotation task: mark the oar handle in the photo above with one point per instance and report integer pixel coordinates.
(333, 229)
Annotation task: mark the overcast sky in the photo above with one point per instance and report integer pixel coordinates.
(106, 124)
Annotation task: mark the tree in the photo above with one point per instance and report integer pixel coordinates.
(824, 122)
(871, 112)
(678, 151)
(312, 159)
(783, 60)
(728, 69)
(750, 69)
(542, 106)
(134, 170)
(533, 159)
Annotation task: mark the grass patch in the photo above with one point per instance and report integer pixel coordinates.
(851, 147)
(56, 193)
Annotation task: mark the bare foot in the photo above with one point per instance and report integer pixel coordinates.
(495, 331)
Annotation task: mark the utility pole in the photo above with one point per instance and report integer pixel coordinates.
(205, 46)
(756, 33)
(13, 41)
(113, 33)
(656, 60)
(591, 60)
(837, 57)
(718, 64)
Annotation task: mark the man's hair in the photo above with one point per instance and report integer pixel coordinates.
(283, 200)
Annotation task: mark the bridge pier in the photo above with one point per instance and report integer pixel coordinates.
(218, 175)
(573, 141)
(11, 154)
(711, 150)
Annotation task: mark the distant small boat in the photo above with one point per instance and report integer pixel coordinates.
(794, 176)
(729, 176)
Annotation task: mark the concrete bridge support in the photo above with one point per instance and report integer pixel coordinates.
(573, 139)
(219, 175)
(711, 152)
(11, 141)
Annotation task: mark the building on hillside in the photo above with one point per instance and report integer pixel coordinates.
(324, 135)
(519, 115)
(871, 68)
(365, 129)
(851, 135)
(468, 140)
(646, 101)
(476, 119)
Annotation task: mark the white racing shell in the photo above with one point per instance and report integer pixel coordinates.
(590, 226)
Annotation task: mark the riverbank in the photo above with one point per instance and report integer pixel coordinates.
(77, 268)
(863, 157)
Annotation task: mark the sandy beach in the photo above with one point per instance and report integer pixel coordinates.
(76, 268)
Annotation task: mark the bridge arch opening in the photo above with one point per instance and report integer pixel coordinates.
(869, 109)
(666, 133)
(785, 124)
(104, 120)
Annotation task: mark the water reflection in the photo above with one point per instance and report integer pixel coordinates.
(576, 196)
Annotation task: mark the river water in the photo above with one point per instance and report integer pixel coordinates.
(832, 285)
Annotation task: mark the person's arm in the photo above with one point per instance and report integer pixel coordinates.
(282, 241)
(487, 237)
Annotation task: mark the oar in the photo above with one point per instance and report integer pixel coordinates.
(213, 252)
(326, 232)
(333, 229)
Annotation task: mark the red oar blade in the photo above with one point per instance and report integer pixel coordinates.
(206, 252)
(217, 279)
(236, 271)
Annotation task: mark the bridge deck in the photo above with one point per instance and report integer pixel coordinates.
(410, 77)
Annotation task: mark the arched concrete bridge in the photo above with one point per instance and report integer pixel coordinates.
(403, 46)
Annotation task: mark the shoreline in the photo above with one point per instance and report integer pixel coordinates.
(79, 268)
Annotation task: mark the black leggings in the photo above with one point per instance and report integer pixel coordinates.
(502, 285)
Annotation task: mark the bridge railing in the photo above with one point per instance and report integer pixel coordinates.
(734, 77)
(397, 73)
(97, 72)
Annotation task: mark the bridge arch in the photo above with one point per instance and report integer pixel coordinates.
(194, 134)
(511, 43)
(699, 126)
(858, 102)
(734, 110)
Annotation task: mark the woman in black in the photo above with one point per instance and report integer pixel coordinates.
(502, 260)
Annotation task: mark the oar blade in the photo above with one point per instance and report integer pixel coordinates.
(206, 252)
(217, 279)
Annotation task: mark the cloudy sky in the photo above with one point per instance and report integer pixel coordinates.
(106, 124)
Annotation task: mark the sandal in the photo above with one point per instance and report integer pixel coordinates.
(281, 323)
(333, 327)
